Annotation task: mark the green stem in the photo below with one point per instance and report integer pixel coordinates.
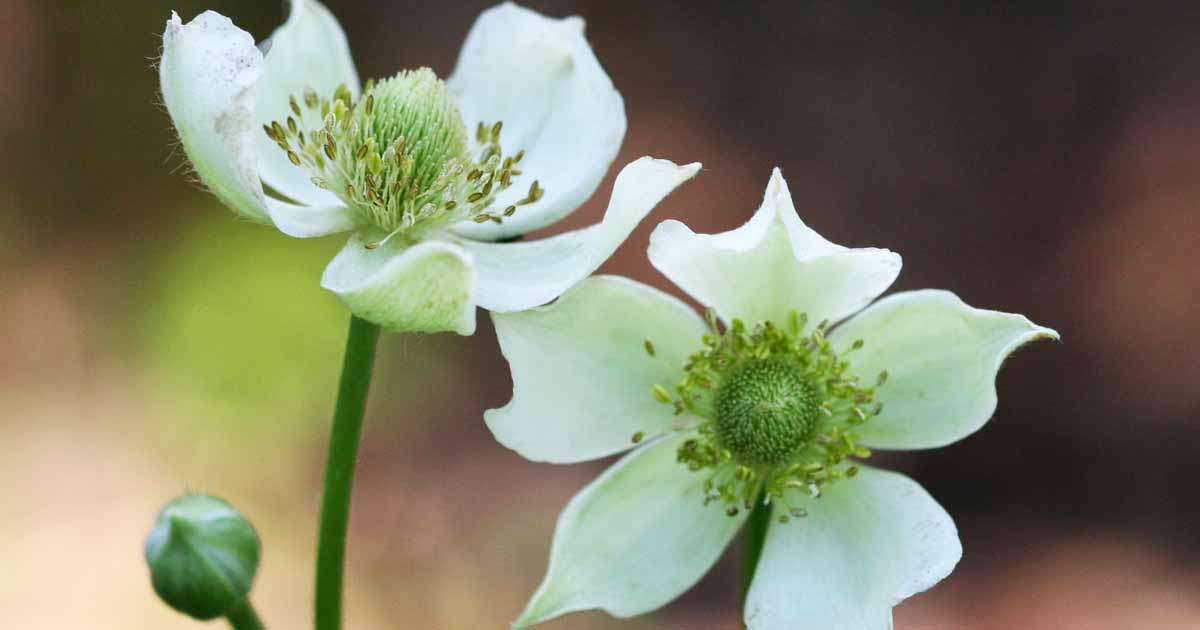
(339, 470)
(244, 618)
(752, 544)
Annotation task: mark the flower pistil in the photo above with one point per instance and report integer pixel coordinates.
(777, 409)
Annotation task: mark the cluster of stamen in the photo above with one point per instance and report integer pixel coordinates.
(398, 156)
(777, 408)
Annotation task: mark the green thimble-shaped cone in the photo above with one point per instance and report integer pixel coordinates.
(203, 556)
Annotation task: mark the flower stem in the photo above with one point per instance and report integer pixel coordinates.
(339, 470)
(244, 618)
(752, 544)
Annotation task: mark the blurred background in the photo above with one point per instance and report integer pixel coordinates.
(1041, 160)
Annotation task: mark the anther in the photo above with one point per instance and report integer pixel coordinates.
(342, 93)
(398, 156)
(311, 99)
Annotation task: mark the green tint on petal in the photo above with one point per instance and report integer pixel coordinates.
(428, 287)
(582, 376)
(634, 539)
(771, 266)
(942, 357)
(866, 545)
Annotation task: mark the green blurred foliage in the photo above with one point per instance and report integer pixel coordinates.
(237, 323)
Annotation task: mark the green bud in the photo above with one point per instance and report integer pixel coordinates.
(203, 556)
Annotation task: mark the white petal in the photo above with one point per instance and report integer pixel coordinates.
(539, 76)
(310, 221)
(772, 265)
(521, 275)
(941, 356)
(209, 71)
(581, 374)
(308, 50)
(424, 288)
(634, 539)
(866, 545)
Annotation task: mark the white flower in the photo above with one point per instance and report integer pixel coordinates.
(775, 404)
(421, 171)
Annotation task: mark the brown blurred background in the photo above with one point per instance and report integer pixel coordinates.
(1038, 159)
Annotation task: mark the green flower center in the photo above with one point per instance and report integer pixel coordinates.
(773, 411)
(399, 156)
(765, 411)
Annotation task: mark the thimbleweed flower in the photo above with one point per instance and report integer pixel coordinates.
(203, 556)
(773, 400)
(426, 174)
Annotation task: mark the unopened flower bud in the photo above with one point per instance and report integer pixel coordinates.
(203, 556)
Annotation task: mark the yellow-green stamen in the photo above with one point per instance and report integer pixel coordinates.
(400, 156)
